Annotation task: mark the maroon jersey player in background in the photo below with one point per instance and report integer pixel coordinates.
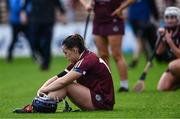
(108, 29)
(170, 79)
(93, 89)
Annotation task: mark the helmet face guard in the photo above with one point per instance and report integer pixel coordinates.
(44, 105)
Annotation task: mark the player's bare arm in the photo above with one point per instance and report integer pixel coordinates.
(47, 83)
(61, 82)
(87, 4)
(124, 5)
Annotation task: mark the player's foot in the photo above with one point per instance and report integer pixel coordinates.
(9, 59)
(122, 89)
(26, 109)
(44, 67)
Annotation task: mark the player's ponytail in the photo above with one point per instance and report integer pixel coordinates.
(75, 40)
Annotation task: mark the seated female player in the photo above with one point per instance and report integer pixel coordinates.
(86, 81)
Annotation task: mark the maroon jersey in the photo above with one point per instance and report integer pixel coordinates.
(97, 77)
(104, 8)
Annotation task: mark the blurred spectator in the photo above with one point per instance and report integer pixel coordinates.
(18, 26)
(139, 16)
(162, 4)
(74, 10)
(41, 20)
(70, 9)
(170, 2)
(3, 11)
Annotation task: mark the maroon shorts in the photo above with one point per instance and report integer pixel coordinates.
(99, 102)
(113, 27)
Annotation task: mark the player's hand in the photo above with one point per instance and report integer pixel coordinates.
(118, 12)
(168, 37)
(41, 92)
(23, 17)
(161, 31)
(61, 19)
(89, 7)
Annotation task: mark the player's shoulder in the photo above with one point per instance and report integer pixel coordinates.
(90, 55)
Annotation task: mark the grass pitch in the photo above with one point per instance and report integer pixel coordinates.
(20, 80)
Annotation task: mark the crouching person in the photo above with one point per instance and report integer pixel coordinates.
(87, 81)
(170, 79)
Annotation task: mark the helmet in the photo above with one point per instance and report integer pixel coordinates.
(44, 105)
(175, 11)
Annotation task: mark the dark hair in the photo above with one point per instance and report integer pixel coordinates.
(75, 40)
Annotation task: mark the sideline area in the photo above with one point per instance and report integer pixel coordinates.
(59, 33)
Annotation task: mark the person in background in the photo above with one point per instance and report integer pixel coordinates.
(140, 16)
(170, 2)
(170, 44)
(41, 22)
(3, 11)
(108, 30)
(18, 26)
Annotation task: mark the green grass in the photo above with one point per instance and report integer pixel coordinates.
(20, 80)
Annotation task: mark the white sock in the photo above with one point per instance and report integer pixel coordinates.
(124, 83)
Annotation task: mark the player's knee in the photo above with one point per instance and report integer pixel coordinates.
(53, 95)
(104, 56)
(117, 56)
(161, 87)
(172, 67)
(58, 95)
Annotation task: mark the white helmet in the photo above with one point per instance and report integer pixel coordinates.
(173, 11)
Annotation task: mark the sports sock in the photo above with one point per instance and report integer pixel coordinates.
(124, 83)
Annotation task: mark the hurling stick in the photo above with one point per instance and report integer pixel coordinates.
(139, 86)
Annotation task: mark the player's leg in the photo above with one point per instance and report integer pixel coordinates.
(15, 31)
(170, 79)
(174, 67)
(102, 47)
(26, 30)
(115, 42)
(34, 36)
(78, 94)
(166, 81)
(136, 53)
(46, 45)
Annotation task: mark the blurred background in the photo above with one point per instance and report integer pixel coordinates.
(69, 19)
(22, 22)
